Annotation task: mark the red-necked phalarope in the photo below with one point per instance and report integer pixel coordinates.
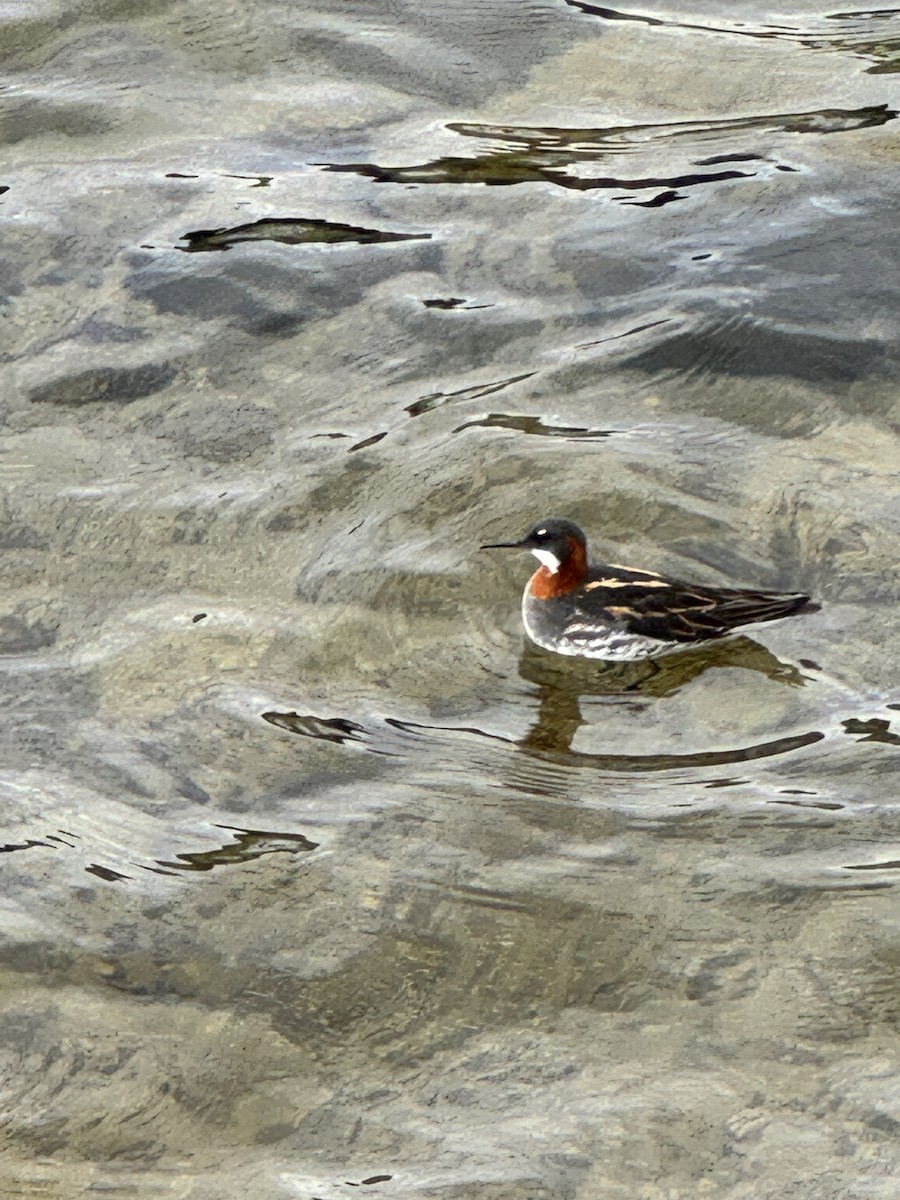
(622, 613)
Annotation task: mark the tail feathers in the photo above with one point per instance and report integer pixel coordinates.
(749, 608)
(808, 606)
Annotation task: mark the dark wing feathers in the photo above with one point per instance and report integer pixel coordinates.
(663, 608)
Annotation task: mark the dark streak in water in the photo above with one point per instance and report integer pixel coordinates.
(876, 729)
(634, 763)
(535, 425)
(670, 762)
(532, 154)
(452, 302)
(891, 865)
(259, 180)
(588, 142)
(716, 159)
(613, 14)
(827, 805)
(585, 141)
(438, 399)
(326, 729)
(629, 332)
(106, 873)
(291, 231)
(657, 202)
(416, 727)
(249, 844)
(502, 169)
(335, 729)
(369, 441)
(856, 38)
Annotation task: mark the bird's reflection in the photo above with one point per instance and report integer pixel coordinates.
(561, 682)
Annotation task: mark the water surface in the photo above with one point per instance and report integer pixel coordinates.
(319, 882)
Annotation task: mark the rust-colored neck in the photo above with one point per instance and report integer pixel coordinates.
(547, 584)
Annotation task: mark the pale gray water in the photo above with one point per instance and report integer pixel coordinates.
(316, 875)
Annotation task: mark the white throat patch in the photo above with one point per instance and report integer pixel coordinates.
(548, 559)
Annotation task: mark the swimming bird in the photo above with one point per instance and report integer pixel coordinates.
(622, 613)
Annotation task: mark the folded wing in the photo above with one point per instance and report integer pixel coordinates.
(654, 606)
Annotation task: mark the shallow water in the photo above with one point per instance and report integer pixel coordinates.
(318, 881)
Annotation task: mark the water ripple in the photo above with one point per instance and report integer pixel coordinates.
(535, 425)
(865, 34)
(536, 154)
(291, 231)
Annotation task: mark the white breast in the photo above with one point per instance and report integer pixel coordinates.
(578, 639)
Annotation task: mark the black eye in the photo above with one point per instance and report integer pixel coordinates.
(541, 535)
